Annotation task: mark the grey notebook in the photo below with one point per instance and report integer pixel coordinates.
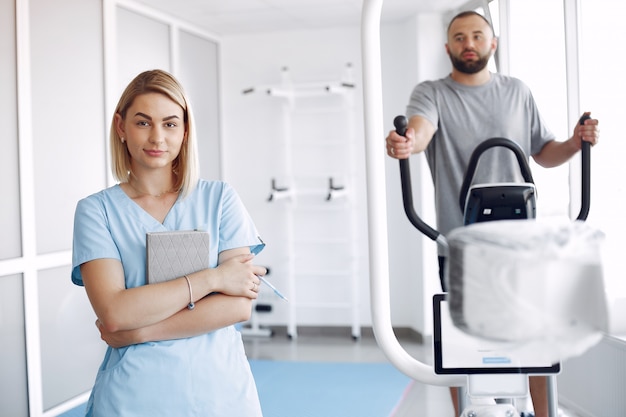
(173, 254)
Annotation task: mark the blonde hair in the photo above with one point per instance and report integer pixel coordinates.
(185, 165)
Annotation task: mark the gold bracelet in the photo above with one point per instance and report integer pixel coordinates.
(191, 304)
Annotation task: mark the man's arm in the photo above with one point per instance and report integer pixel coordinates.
(555, 153)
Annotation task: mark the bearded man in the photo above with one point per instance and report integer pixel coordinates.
(448, 118)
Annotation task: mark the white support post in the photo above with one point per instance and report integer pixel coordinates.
(571, 11)
(27, 204)
(377, 211)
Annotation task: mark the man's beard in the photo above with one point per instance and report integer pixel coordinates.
(470, 67)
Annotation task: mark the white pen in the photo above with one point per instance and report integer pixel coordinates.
(272, 287)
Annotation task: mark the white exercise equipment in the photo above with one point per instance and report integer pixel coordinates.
(482, 386)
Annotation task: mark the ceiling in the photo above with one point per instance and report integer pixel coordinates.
(231, 17)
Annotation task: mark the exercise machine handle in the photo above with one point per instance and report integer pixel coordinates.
(585, 153)
(480, 149)
(400, 124)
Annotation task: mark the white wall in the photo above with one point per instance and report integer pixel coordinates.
(53, 78)
(256, 138)
(52, 87)
(254, 131)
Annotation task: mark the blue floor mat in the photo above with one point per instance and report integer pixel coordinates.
(323, 389)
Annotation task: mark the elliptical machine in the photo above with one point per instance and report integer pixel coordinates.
(485, 203)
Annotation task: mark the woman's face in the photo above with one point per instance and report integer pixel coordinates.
(154, 131)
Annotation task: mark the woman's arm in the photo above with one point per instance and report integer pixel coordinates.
(121, 309)
(211, 313)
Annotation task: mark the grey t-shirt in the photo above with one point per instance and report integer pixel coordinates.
(465, 116)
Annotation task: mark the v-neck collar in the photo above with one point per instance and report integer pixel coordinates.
(141, 214)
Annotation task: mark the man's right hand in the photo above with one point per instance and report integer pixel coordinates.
(400, 147)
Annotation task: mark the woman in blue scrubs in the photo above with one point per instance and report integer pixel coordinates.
(173, 349)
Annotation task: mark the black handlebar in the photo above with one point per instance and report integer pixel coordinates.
(586, 175)
(401, 123)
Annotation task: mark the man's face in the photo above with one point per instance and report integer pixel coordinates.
(470, 44)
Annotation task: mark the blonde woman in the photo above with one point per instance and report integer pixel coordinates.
(173, 349)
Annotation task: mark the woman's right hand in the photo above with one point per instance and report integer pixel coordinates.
(238, 276)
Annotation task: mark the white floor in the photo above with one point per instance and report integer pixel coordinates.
(325, 344)
(336, 345)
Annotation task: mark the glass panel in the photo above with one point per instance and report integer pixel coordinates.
(142, 44)
(543, 70)
(602, 93)
(13, 378)
(199, 75)
(68, 126)
(11, 243)
(71, 348)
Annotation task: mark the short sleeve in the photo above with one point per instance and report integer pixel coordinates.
(237, 228)
(92, 236)
(422, 103)
(540, 133)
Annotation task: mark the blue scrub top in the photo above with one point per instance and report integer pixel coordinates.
(206, 375)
